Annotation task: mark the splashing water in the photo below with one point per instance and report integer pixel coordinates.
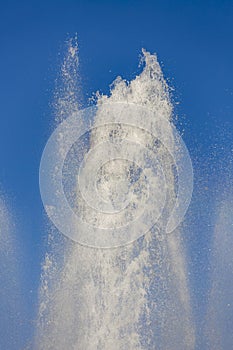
(131, 297)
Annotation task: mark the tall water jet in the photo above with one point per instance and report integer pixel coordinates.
(134, 296)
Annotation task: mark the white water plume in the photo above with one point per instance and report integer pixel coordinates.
(131, 297)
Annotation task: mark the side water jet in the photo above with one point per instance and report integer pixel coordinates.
(11, 313)
(219, 319)
(130, 297)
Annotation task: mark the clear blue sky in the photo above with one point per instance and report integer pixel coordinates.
(194, 43)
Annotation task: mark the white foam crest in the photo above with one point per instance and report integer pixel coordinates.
(148, 89)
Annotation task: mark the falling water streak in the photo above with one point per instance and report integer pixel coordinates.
(219, 320)
(133, 297)
(67, 91)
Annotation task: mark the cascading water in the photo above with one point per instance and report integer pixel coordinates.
(134, 296)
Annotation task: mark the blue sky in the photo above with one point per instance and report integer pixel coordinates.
(193, 40)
